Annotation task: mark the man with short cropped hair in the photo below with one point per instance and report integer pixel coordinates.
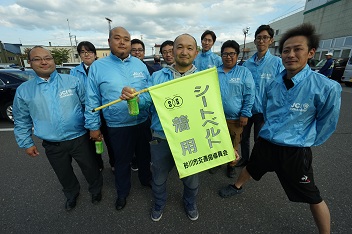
(264, 66)
(206, 58)
(166, 51)
(53, 104)
(138, 50)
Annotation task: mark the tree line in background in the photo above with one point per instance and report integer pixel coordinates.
(60, 55)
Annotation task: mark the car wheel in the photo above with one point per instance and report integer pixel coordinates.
(348, 84)
(7, 111)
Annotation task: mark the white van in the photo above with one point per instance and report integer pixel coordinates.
(347, 74)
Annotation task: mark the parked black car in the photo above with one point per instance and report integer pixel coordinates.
(10, 79)
(339, 68)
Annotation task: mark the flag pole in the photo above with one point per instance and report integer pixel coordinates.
(118, 100)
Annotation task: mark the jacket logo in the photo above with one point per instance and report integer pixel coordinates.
(299, 107)
(66, 93)
(138, 75)
(265, 76)
(235, 80)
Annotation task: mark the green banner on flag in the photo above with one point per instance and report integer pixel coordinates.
(193, 120)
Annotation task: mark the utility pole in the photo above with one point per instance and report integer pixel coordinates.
(109, 23)
(69, 34)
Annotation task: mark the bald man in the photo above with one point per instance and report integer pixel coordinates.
(184, 52)
(128, 134)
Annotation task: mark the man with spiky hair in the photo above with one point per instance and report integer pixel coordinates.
(301, 109)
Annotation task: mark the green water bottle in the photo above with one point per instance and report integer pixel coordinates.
(99, 149)
(133, 108)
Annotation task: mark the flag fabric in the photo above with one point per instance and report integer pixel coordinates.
(192, 117)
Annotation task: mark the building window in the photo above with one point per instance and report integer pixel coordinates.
(277, 32)
(348, 41)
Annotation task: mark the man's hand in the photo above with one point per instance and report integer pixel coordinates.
(96, 135)
(238, 157)
(243, 121)
(127, 93)
(32, 151)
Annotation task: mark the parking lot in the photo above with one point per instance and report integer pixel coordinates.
(31, 200)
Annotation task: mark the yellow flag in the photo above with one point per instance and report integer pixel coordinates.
(192, 116)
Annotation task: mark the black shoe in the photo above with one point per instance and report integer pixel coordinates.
(231, 172)
(71, 203)
(120, 203)
(96, 198)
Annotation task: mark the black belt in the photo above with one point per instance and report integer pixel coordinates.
(51, 143)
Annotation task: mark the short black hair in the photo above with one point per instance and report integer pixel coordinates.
(156, 59)
(137, 41)
(87, 45)
(307, 30)
(165, 43)
(232, 44)
(211, 33)
(264, 27)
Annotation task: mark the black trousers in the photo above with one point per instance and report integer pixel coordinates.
(60, 156)
(125, 142)
(104, 131)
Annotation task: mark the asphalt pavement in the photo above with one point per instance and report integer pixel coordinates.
(31, 200)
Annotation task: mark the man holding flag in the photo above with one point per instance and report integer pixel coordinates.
(184, 51)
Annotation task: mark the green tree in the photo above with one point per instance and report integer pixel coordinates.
(60, 55)
(24, 56)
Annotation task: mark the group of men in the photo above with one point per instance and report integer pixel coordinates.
(291, 107)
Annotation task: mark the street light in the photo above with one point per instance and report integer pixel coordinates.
(245, 32)
(109, 22)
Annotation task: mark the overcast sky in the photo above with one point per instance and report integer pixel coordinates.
(38, 22)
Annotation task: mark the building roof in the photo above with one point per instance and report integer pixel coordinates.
(13, 48)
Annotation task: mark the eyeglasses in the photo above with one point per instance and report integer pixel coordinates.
(137, 50)
(231, 54)
(38, 60)
(167, 52)
(207, 40)
(263, 38)
(86, 52)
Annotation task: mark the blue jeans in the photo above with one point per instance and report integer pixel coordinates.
(162, 164)
(258, 121)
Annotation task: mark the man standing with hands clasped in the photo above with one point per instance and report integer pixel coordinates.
(54, 104)
(301, 109)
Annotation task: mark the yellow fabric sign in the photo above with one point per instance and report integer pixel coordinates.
(192, 116)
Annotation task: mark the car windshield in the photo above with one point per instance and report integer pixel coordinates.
(321, 63)
(24, 74)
